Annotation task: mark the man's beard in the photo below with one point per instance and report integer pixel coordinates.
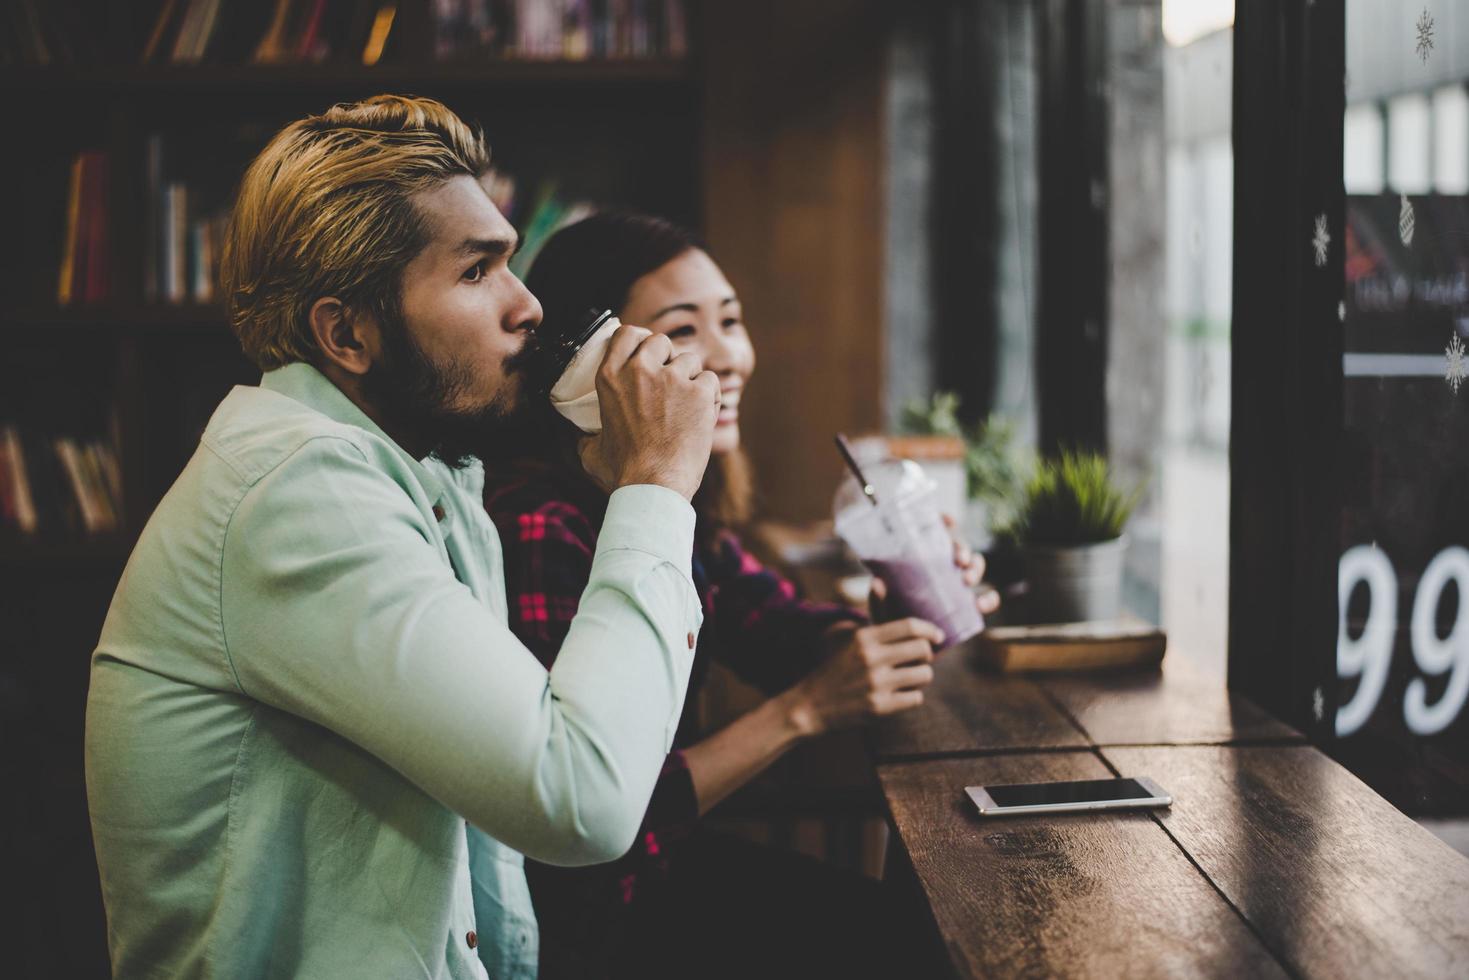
(416, 393)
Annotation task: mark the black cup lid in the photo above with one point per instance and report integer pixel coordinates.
(575, 338)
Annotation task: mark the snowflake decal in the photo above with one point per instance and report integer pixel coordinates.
(1457, 368)
(1425, 35)
(1320, 240)
(1318, 704)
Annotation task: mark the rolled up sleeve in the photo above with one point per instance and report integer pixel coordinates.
(339, 606)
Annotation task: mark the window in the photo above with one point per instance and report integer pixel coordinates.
(1403, 581)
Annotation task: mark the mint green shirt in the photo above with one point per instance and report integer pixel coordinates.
(313, 746)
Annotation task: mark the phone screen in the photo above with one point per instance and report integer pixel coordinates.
(1082, 791)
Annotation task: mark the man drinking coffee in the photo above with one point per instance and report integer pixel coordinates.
(313, 747)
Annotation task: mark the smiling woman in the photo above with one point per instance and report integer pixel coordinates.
(689, 301)
(657, 275)
(683, 890)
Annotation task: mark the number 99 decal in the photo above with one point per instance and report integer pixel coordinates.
(1369, 656)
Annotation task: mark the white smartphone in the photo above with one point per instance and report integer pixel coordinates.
(1086, 794)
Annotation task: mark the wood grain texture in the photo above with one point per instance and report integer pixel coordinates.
(968, 710)
(793, 191)
(1098, 895)
(1335, 879)
(1180, 705)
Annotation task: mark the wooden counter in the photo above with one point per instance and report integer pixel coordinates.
(1273, 860)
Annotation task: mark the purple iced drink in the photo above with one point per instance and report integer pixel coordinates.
(942, 598)
(894, 526)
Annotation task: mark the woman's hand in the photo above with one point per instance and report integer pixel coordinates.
(873, 671)
(972, 564)
(969, 562)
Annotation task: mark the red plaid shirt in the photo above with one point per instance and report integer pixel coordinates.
(754, 624)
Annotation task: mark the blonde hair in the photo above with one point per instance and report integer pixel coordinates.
(326, 210)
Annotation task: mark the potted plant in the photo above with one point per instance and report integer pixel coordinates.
(994, 467)
(1070, 530)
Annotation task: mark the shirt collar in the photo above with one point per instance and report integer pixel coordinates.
(307, 385)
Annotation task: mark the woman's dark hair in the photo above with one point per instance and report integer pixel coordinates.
(592, 265)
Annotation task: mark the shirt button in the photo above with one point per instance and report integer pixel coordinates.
(438, 513)
(691, 641)
(472, 939)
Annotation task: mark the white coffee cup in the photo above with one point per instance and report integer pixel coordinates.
(574, 394)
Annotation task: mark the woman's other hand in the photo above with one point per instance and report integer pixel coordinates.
(873, 671)
(971, 563)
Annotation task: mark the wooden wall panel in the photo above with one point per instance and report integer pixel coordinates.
(793, 212)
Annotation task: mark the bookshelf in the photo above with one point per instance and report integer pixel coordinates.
(767, 137)
(328, 78)
(613, 129)
(143, 375)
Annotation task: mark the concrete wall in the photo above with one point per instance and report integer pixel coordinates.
(1137, 355)
(908, 197)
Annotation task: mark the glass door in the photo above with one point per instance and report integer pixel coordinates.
(1402, 716)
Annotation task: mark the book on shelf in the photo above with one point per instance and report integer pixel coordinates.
(538, 31)
(676, 30)
(196, 31)
(166, 18)
(152, 215)
(186, 31)
(84, 268)
(310, 46)
(105, 458)
(175, 225)
(84, 485)
(94, 212)
(378, 33)
(367, 32)
(40, 33)
(565, 30)
(261, 31)
(56, 507)
(576, 30)
(182, 235)
(272, 44)
(19, 505)
(24, 38)
(202, 265)
(309, 31)
(459, 26)
(59, 484)
(66, 278)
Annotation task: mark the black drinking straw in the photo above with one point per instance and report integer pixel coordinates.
(845, 449)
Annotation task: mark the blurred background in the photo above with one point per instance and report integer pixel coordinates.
(1016, 224)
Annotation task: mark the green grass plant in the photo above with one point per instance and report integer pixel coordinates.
(1071, 501)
